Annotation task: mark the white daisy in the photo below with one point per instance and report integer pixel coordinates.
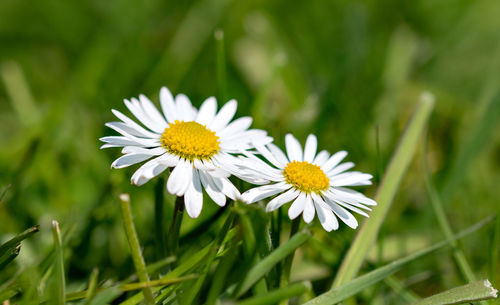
(314, 182)
(197, 144)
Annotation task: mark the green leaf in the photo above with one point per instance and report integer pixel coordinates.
(59, 282)
(352, 287)
(259, 270)
(277, 295)
(13, 242)
(477, 291)
(367, 235)
(9, 256)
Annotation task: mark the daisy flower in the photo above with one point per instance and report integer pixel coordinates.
(198, 144)
(314, 182)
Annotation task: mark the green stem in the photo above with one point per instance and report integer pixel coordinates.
(159, 221)
(135, 247)
(287, 263)
(175, 226)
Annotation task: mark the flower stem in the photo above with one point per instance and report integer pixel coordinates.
(135, 248)
(175, 226)
(287, 263)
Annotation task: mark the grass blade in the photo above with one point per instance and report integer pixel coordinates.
(259, 270)
(58, 275)
(277, 295)
(9, 256)
(135, 247)
(477, 291)
(91, 290)
(352, 287)
(386, 192)
(13, 242)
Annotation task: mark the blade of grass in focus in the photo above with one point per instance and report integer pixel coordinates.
(350, 288)
(473, 292)
(135, 247)
(58, 271)
(396, 169)
(259, 270)
(12, 243)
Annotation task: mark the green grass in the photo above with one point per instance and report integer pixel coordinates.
(352, 72)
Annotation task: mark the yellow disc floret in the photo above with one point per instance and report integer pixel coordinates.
(190, 140)
(306, 177)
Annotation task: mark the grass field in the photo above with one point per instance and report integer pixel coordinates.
(351, 72)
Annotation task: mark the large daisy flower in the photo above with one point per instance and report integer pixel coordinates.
(197, 144)
(316, 183)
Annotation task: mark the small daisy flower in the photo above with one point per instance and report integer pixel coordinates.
(197, 144)
(314, 182)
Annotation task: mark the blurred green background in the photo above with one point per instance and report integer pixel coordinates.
(349, 71)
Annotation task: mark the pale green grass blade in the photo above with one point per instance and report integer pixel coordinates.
(105, 297)
(135, 247)
(259, 270)
(58, 274)
(352, 287)
(399, 163)
(92, 289)
(477, 291)
(272, 297)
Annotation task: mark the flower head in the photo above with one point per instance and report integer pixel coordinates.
(198, 144)
(314, 182)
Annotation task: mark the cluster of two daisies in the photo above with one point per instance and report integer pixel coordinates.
(205, 147)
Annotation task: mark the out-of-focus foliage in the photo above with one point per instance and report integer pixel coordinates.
(348, 71)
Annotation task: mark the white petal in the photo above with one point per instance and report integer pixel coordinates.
(297, 206)
(310, 148)
(212, 190)
(350, 178)
(207, 111)
(224, 116)
(180, 178)
(150, 170)
(135, 107)
(184, 108)
(120, 141)
(261, 192)
(278, 153)
(308, 213)
(334, 160)
(269, 156)
(340, 168)
(344, 215)
(293, 148)
(354, 194)
(151, 111)
(348, 200)
(228, 188)
(125, 119)
(325, 216)
(321, 157)
(280, 200)
(130, 159)
(193, 198)
(168, 105)
(237, 126)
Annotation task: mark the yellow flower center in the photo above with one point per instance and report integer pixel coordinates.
(306, 177)
(190, 140)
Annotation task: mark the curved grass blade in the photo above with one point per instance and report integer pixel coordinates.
(259, 270)
(9, 256)
(344, 291)
(58, 274)
(473, 292)
(367, 235)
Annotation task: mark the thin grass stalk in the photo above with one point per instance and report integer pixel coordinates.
(60, 281)
(135, 248)
(477, 291)
(444, 225)
(368, 232)
(92, 289)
